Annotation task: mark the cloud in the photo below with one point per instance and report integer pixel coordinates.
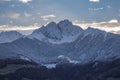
(25, 1)
(112, 25)
(47, 17)
(113, 21)
(26, 30)
(94, 0)
(13, 15)
(1, 1)
(22, 28)
(95, 9)
(6, 0)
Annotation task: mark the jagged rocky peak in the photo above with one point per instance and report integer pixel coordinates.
(51, 24)
(58, 31)
(64, 23)
(9, 36)
(52, 31)
(49, 31)
(68, 28)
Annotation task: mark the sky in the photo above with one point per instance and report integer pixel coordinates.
(31, 14)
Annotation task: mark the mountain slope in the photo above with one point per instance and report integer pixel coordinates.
(9, 36)
(62, 32)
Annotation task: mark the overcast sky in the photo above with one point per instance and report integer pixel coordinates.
(33, 12)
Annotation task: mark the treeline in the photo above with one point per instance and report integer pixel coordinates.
(93, 71)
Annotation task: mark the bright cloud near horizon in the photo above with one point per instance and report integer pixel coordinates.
(94, 0)
(25, 1)
(29, 12)
(113, 21)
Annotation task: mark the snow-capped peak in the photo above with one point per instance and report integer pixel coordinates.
(9, 36)
(61, 32)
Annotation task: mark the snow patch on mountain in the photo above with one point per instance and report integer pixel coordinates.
(64, 59)
(49, 66)
(24, 58)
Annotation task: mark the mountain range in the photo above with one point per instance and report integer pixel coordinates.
(61, 42)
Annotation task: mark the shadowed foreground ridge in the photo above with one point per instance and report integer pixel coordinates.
(109, 70)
